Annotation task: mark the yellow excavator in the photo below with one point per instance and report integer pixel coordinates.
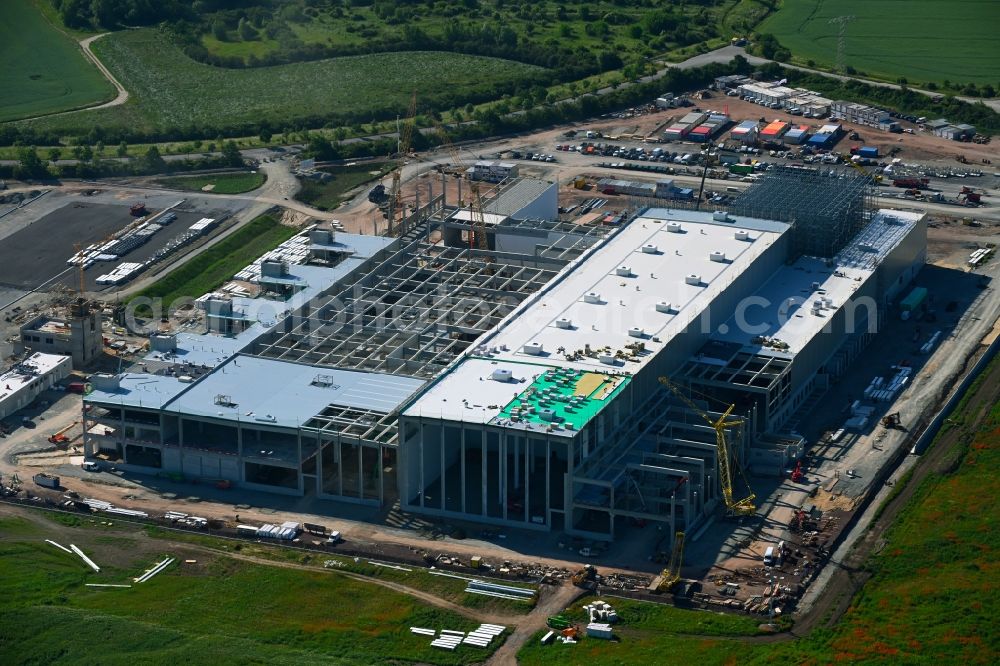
(745, 506)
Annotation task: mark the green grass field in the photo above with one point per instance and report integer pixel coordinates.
(921, 40)
(329, 195)
(220, 262)
(219, 183)
(42, 70)
(168, 89)
(218, 610)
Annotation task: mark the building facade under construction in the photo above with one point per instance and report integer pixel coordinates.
(514, 381)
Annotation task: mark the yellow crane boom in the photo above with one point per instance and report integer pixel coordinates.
(672, 574)
(745, 506)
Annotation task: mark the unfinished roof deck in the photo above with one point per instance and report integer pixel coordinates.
(415, 312)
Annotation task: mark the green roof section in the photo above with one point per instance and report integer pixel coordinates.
(565, 397)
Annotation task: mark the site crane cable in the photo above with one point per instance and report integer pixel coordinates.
(405, 139)
(745, 506)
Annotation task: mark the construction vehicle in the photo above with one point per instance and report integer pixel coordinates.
(46, 480)
(745, 506)
(892, 421)
(137, 209)
(585, 577)
(797, 474)
(59, 437)
(670, 576)
(877, 179)
(911, 183)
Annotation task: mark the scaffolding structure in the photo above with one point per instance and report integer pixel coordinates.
(826, 209)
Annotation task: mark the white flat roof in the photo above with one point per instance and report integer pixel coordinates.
(772, 315)
(140, 390)
(630, 302)
(490, 219)
(268, 392)
(472, 381)
(38, 364)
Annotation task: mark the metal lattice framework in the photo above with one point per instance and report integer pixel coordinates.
(414, 312)
(825, 208)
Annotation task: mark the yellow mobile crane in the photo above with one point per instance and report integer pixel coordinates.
(877, 179)
(672, 574)
(745, 506)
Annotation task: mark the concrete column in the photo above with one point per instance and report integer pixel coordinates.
(361, 471)
(527, 480)
(422, 485)
(483, 446)
(461, 463)
(502, 472)
(517, 468)
(444, 490)
(340, 466)
(319, 464)
(548, 475)
(298, 441)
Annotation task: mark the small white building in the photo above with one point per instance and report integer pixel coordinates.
(25, 380)
(492, 172)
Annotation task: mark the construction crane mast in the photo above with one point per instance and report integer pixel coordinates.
(477, 230)
(403, 148)
(745, 506)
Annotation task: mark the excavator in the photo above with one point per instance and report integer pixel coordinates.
(670, 576)
(745, 506)
(892, 421)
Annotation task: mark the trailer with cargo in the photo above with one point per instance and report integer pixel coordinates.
(913, 303)
(46, 480)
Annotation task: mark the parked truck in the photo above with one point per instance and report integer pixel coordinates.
(911, 183)
(913, 303)
(741, 169)
(46, 480)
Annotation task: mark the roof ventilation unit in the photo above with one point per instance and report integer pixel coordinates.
(720, 216)
(636, 332)
(649, 248)
(718, 256)
(606, 358)
(742, 235)
(693, 279)
(534, 348)
(592, 297)
(815, 286)
(664, 306)
(623, 271)
(563, 322)
(547, 414)
(502, 375)
(674, 227)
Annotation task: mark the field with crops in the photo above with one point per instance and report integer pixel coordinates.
(42, 70)
(169, 90)
(204, 608)
(920, 40)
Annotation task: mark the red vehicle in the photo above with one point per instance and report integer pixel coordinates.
(911, 183)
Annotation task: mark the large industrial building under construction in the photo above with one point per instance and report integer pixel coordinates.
(515, 380)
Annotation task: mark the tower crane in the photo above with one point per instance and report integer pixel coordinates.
(745, 506)
(477, 231)
(672, 574)
(405, 138)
